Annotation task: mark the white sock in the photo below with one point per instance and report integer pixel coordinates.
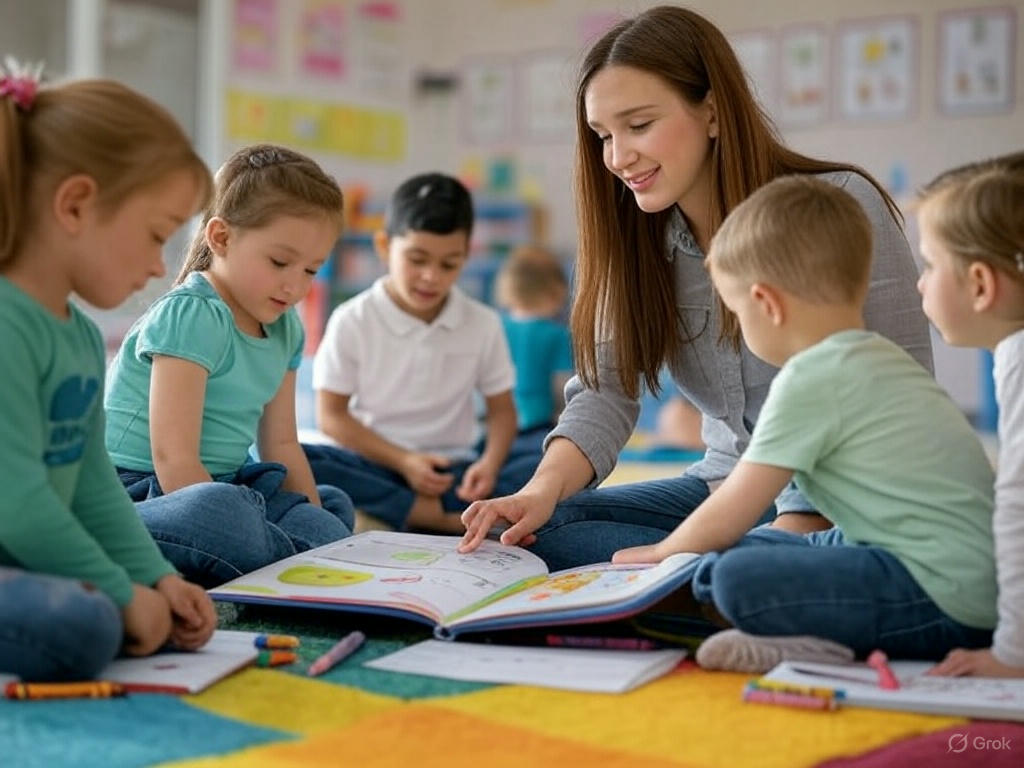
(735, 651)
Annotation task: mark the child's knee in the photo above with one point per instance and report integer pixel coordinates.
(338, 503)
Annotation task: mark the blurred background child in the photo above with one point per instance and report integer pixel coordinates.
(532, 289)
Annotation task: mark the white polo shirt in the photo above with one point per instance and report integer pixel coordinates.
(409, 381)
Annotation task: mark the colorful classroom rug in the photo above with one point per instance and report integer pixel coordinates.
(354, 716)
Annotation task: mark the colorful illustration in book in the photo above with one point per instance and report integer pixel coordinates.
(565, 584)
(417, 557)
(322, 576)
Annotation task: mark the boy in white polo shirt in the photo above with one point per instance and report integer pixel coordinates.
(397, 369)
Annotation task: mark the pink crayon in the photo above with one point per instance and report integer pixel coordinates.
(886, 677)
(340, 651)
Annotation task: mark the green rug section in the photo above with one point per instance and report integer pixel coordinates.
(318, 630)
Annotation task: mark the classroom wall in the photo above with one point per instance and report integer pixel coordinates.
(902, 153)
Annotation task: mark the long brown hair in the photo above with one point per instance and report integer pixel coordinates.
(625, 286)
(258, 184)
(99, 128)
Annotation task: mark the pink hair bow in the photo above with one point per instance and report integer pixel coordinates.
(20, 82)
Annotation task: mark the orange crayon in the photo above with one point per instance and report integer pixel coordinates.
(275, 658)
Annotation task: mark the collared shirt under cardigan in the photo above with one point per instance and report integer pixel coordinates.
(727, 386)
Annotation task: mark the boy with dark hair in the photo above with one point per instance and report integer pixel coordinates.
(399, 365)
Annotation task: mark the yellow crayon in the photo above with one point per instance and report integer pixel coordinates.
(88, 689)
(805, 690)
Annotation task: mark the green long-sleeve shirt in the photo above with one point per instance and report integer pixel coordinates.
(63, 510)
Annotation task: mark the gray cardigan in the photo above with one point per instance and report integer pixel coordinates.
(730, 387)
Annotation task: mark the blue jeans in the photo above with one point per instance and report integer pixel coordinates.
(777, 583)
(591, 525)
(215, 532)
(385, 494)
(53, 628)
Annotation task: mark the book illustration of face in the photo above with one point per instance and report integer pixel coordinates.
(417, 557)
(322, 576)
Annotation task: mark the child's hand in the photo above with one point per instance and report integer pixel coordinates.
(191, 611)
(420, 470)
(147, 621)
(652, 553)
(980, 663)
(477, 481)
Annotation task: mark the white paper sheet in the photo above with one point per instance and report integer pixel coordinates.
(987, 698)
(597, 670)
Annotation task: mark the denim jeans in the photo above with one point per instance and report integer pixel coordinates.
(215, 532)
(53, 628)
(385, 494)
(591, 525)
(777, 583)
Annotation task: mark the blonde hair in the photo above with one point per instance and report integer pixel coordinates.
(122, 140)
(802, 234)
(622, 267)
(530, 276)
(977, 212)
(256, 185)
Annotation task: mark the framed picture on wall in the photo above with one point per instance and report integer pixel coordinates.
(488, 99)
(876, 68)
(803, 76)
(976, 61)
(755, 48)
(548, 104)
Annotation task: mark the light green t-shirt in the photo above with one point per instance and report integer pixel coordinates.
(883, 453)
(62, 509)
(192, 322)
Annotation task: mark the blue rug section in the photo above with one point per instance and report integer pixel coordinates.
(137, 730)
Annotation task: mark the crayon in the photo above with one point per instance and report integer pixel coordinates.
(342, 649)
(592, 641)
(886, 677)
(276, 641)
(88, 689)
(804, 690)
(800, 701)
(275, 658)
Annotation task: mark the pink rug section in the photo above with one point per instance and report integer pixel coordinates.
(972, 745)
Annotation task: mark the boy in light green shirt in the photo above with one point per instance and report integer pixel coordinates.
(869, 438)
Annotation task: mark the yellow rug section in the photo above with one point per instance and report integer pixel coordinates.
(286, 702)
(695, 717)
(426, 736)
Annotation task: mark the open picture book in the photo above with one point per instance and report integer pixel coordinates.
(423, 577)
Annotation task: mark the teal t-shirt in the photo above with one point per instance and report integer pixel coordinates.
(885, 454)
(540, 349)
(192, 322)
(62, 509)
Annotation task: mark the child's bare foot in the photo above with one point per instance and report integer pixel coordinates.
(427, 514)
(735, 651)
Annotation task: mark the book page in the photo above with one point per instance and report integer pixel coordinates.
(993, 698)
(590, 585)
(601, 671)
(420, 573)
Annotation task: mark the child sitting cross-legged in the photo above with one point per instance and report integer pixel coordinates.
(869, 438)
(397, 371)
